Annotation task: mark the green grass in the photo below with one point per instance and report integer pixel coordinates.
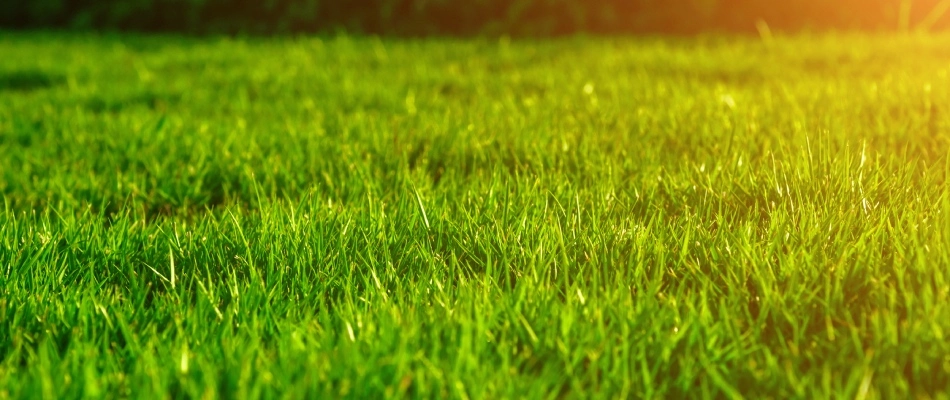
(571, 218)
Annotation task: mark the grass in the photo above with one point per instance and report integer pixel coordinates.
(359, 217)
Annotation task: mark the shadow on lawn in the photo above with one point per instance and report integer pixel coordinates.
(28, 80)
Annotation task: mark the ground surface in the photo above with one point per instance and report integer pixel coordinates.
(474, 218)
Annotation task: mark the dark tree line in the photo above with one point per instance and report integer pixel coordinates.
(467, 17)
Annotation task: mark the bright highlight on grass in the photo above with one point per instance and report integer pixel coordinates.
(355, 217)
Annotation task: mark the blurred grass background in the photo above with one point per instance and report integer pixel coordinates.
(475, 17)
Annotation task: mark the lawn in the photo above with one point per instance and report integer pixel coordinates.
(579, 217)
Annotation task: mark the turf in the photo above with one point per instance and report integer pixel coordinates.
(712, 217)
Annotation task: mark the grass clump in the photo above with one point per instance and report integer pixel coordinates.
(356, 217)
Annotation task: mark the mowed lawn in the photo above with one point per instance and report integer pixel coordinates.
(474, 218)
